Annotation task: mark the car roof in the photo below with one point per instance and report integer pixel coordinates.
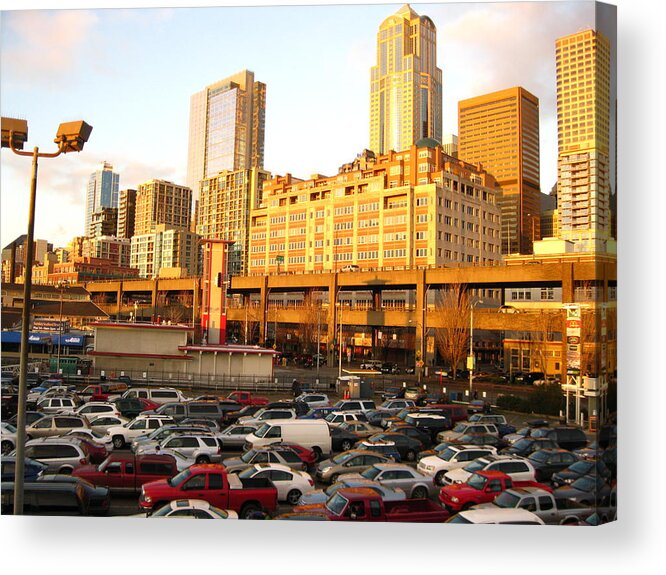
(490, 514)
(278, 466)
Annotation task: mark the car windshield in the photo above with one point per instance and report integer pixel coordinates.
(460, 428)
(9, 427)
(336, 504)
(371, 473)
(331, 416)
(539, 456)
(581, 467)
(248, 456)
(475, 417)
(263, 430)
(341, 457)
(178, 479)
(447, 454)
(475, 465)
(542, 432)
(476, 482)
(586, 484)
(522, 443)
(507, 500)
(248, 473)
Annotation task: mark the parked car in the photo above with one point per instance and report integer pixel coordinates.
(499, 420)
(482, 439)
(496, 516)
(398, 476)
(463, 428)
(314, 399)
(429, 423)
(200, 448)
(318, 413)
(549, 461)
(407, 446)
(342, 439)
(52, 405)
(283, 455)
(248, 411)
(319, 496)
(589, 490)
(93, 409)
(61, 456)
(391, 368)
(32, 469)
(420, 434)
(416, 394)
(7, 438)
(359, 428)
(124, 434)
(453, 457)
(159, 435)
(54, 425)
(393, 406)
(393, 393)
(193, 509)
(337, 417)
(158, 395)
(268, 414)
(234, 436)
(517, 468)
(290, 483)
(529, 445)
(30, 417)
(99, 424)
(355, 405)
(581, 469)
(352, 461)
(386, 448)
(568, 438)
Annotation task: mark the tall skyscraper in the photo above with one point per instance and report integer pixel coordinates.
(406, 84)
(226, 128)
(102, 192)
(160, 202)
(126, 213)
(501, 132)
(583, 64)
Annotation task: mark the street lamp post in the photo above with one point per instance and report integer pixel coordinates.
(470, 359)
(61, 287)
(71, 137)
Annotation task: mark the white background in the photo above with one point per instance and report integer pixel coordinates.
(77, 545)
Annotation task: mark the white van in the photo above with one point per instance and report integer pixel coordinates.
(158, 395)
(311, 433)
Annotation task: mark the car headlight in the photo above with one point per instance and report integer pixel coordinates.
(455, 499)
(325, 469)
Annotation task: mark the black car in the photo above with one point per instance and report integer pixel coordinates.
(527, 445)
(71, 497)
(391, 368)
(30, 417)
(98, 497)
(128, 407)
(300, 407)
(393, 393)
(414, 432)
(482, 439)
(580, 469)
(247, 411)
(568, 438)
(430, 423)
(342, 440)
(549, 461)
(588, 490)
(408, 447)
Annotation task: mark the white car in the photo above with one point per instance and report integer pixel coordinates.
(518, 468)
(101, 423)
(337, 417)
(191, 509)
(452, 457)
(8, 440)
(399, 477)
(267, 414)
(94, 408)
(314, 399)
(53, 405)
(94, 436)
(497, 516)
(290, 483)
(202, 448)
(463, 428)
(123, 434)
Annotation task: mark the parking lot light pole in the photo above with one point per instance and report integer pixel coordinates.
(470, 365)
(71, 137)
(61, 287)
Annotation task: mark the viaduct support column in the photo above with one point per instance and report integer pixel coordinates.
(332, 319)
(263, 311)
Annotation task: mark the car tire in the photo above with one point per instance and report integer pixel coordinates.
(410, 455)
(65, 470)
(334, 478)
(420, 493)
(118, 442)
(6, 447)
(346, 445)
(293, 496)
(439, 477)
(248, 509)
(317, 454)
(202, 459)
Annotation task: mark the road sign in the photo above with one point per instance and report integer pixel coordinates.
(573, 339)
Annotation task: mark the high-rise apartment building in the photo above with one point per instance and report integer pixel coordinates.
(223, 211)
(583, 62)
(164, 248)
(161, 202)
(116, 250)
(226, 128)
(418, 207)
(102, 192)
(500, 131)
(406, 84)
(126, 213)
(104, 222)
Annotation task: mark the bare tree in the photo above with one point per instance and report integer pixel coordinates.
(310, 319)
(175, 313)
(545, 323)
(452, 313)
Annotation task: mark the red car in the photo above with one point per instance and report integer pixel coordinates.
(148, 405)
(308, 456)
(96, 453)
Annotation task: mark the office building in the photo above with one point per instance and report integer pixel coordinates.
(126, 213)
(224, 211)
(116, 250)
(104, 222)
(583, 63)
(406, 84)
(226, 128)
(102, 192)
(500, 131)
(159, 202)
(414, 208)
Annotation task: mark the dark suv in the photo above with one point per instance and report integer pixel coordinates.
(568, 438)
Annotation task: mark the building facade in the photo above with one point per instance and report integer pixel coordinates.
(117, 250)
(159, 202)
(415, 208)
(165, 249)
(84, 268)
(406, 84)
(583, 62)
(126, 213)
(224, 208)
(102, 192)
(226, 128)
(104, 222)
(500, 131)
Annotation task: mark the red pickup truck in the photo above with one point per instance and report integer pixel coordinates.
(481, 487)
(363, 504)
(246, 398)
(211, 483)
(128, 472)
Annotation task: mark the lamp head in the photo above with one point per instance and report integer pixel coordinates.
(14, 133)
(71, 136)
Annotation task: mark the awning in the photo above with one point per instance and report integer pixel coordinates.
(44, 338)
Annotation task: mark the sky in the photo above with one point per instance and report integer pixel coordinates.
(130, 72)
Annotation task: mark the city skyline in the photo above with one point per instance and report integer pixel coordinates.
(145, 146)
